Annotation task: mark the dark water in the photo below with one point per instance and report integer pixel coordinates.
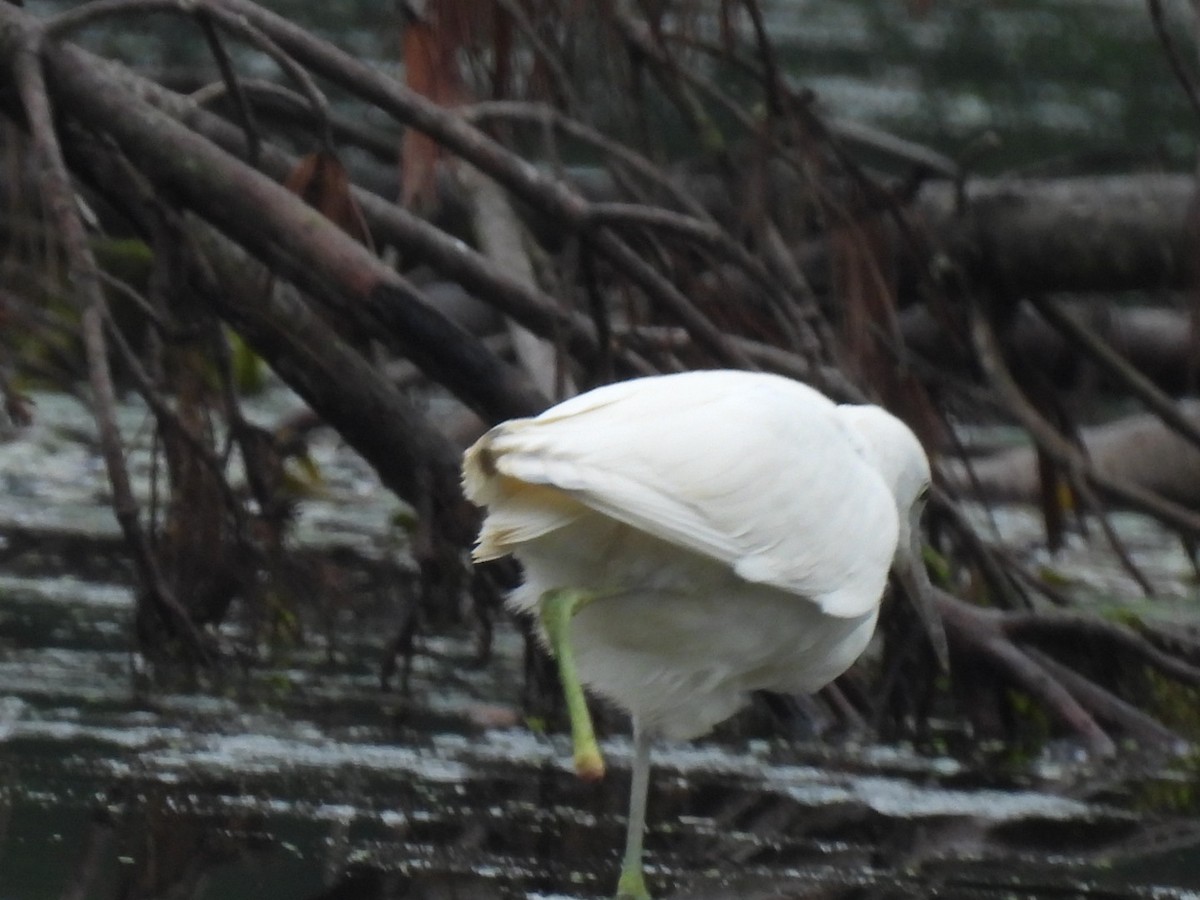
(296, 776)
(304, 776)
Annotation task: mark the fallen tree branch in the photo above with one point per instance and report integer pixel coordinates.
(978, 633)
(1062, 451)
(1120, 371)
(294, 240)
(27, 51)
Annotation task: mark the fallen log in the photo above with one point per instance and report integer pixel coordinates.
(1138, 449)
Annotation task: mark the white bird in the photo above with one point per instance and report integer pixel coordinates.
(689, 539)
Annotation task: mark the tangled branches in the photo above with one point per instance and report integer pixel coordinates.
(770, 245)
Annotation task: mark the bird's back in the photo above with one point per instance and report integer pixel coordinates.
(755, 471)
(728, 521)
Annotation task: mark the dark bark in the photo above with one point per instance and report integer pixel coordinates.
(277, 227)
(1069, 235)
(1138, 449)
(1084, 235)
(540, 189)
(412, 458)
(1156, 341)
(417, 239)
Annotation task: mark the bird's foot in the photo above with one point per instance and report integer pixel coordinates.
(632, 885)
(556, 608)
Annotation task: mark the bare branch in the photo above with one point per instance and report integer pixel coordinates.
(59, 195)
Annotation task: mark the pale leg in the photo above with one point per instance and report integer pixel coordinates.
(632, 885)
(556, 608)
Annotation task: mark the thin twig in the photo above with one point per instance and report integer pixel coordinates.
(165, 416)
(851, 132)
(237, 24)
(1077, 467)
(705, 232)
(1066, 454)
(233, 85)
(1173, 56)
(1073, 627)
(1117, 367)
(562, 80)
(771, 80)
(997, 575)
(647, 39)
(662, 290)
(541, 114)
(60, 199)
(544, 192)
(275, 98)
(699, 226)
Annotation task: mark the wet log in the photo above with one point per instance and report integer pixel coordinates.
(273, 224)
(1071, 235)
(1157, 341)
(1094, 235)
(1138, 449)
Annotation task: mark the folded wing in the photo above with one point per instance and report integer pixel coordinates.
(753, 470)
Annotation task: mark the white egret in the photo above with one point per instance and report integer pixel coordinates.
(689, 539)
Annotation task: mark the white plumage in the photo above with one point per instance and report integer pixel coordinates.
(733, 531)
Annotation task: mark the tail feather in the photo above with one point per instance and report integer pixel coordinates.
(518, 511)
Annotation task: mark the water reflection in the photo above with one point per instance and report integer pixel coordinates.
(270, 795)
(300, 778)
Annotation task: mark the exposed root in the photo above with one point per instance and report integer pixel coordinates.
(1005, 642)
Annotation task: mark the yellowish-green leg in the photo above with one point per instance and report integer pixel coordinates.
(632, 885)
(557, 607)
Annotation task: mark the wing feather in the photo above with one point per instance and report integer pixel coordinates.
(753, 470)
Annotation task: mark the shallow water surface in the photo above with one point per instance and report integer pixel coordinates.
(299, 777)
